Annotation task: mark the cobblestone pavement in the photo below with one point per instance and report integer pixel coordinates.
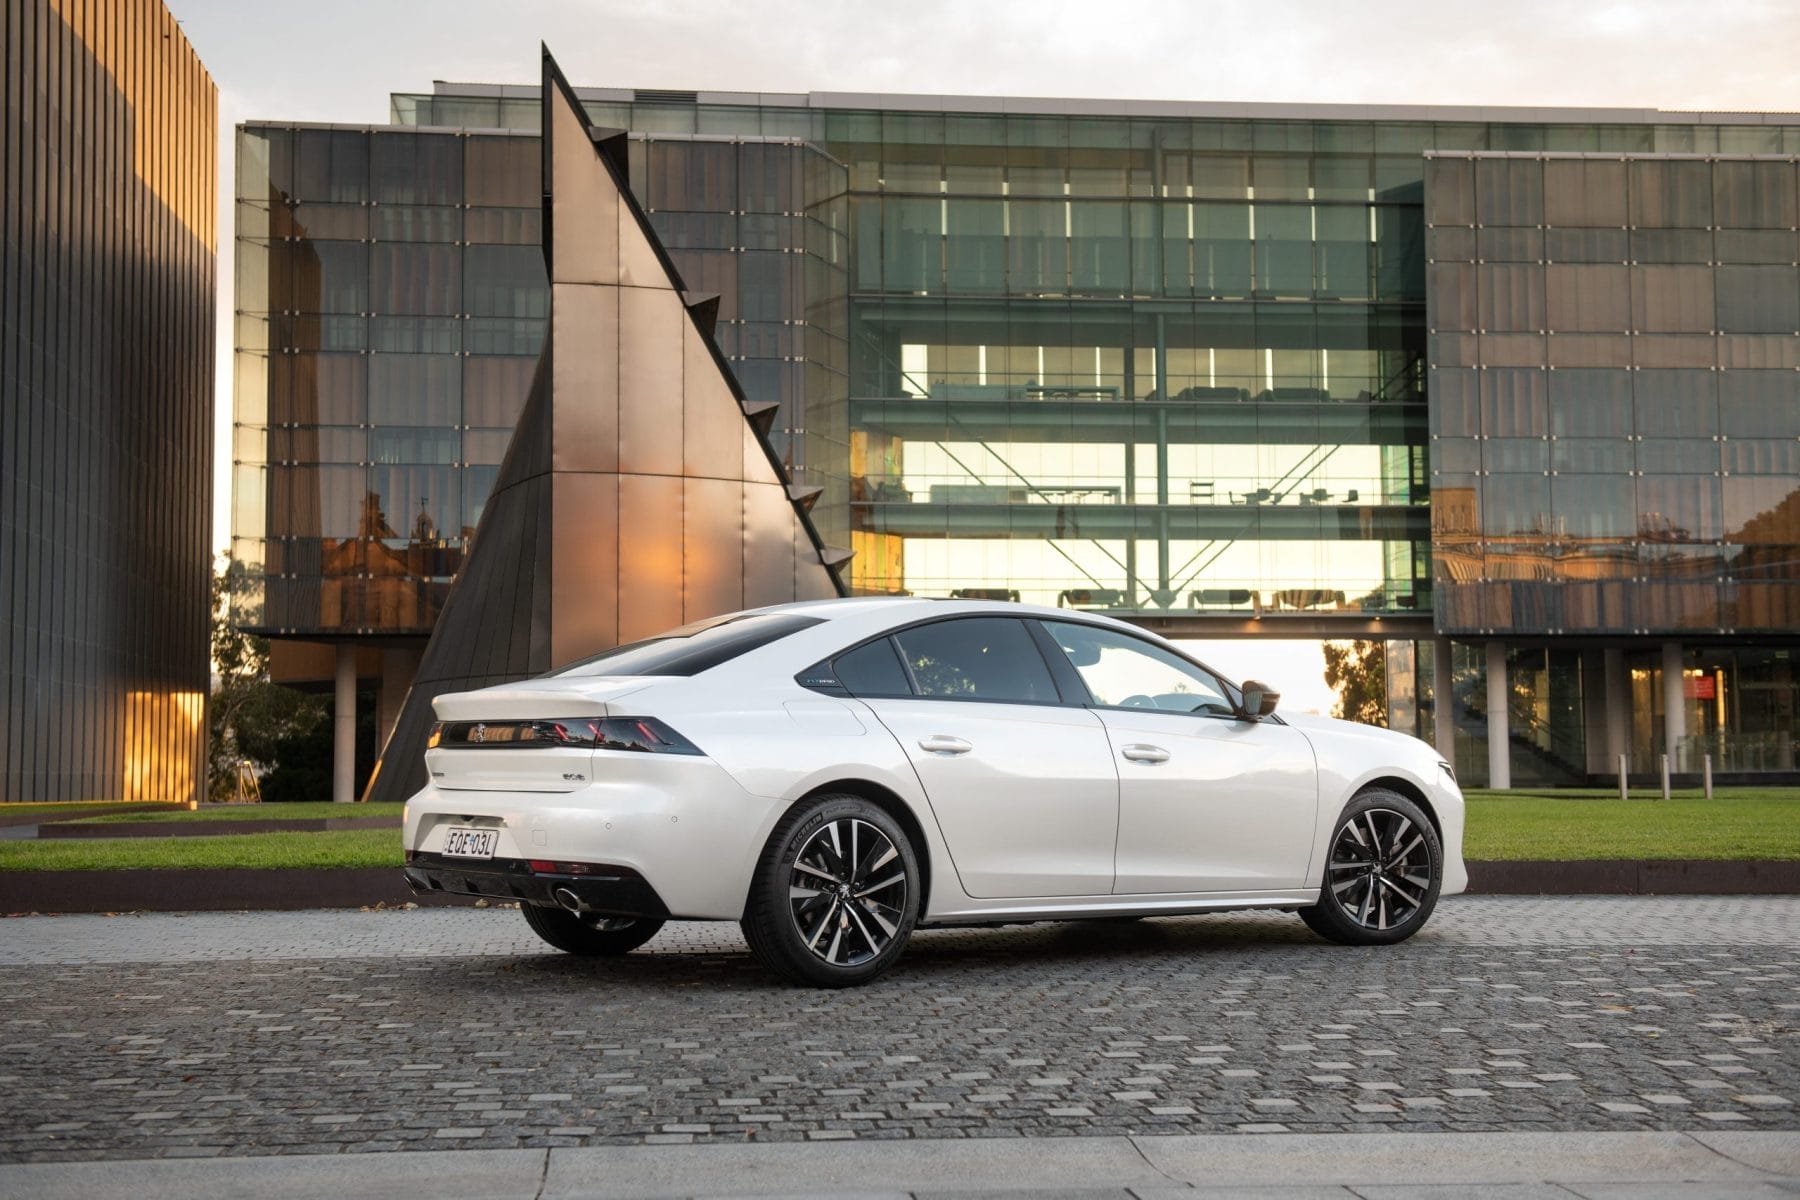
(140, 1037)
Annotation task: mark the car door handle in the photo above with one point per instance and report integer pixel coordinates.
(943, 743)
(1145, 754)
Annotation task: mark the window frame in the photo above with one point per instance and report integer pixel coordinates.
(1234, 694)
(791, 623)
(836, 686)
(1070, 687)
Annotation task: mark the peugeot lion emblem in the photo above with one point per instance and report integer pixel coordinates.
(478, 734)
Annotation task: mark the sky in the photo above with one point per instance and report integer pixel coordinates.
(337, 61)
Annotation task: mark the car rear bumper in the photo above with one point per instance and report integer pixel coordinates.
(602, 888)
(677, 822)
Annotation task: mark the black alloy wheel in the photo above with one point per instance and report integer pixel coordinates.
(1382, 878)
(836, 895)
(589, 934)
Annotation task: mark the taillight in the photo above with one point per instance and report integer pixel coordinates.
(643, 734)
(639, 733)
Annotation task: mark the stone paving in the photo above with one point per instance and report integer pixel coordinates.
(266, 1033)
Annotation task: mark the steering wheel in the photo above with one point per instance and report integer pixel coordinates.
(1139, 701)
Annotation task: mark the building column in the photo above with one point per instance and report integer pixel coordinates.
(1618, 706)
(1498, 714)
(343, 721)
(1443, 700)
(1674, 703)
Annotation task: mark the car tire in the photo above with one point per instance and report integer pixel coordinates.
(590, 935)
(835, 895)
(1384, 867)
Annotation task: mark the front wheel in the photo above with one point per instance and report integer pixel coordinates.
(836, 894)
(589, 934)
(1383, 873)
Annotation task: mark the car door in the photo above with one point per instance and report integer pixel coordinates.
(1207, 802)
(1022, 784)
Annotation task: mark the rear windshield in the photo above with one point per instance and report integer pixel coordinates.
(692, 648)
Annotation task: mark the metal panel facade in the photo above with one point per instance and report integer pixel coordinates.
(604, 544)
(107, 261)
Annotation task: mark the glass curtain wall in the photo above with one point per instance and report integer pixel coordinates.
(391, 308)
(1134, 365)
(1738, 706)
(1179, 365)
(1616, 406)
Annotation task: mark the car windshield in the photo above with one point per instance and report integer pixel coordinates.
(692, 648)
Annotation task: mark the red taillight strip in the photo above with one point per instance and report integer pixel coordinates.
(641, 734)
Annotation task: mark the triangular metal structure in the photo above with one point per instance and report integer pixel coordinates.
(705, 311)
(640, 490)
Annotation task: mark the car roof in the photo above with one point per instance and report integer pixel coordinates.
(905, 608)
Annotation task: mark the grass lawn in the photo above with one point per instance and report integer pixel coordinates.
(1555, 825)
(1590, 823)
(255, 812)
(341, 848)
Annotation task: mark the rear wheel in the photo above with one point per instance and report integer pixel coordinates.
(589, 934)
(836, 894)
(1382, 875)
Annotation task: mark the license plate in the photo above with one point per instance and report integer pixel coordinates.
(461, 842)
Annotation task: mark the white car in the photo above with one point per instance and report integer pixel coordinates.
(835, 774)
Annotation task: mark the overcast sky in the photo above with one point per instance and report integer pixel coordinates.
(337, 60)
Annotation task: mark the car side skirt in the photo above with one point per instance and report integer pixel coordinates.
(1076, 908)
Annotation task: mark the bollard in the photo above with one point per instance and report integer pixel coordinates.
(1665, 769)
(1624, 781)
(1706, 775)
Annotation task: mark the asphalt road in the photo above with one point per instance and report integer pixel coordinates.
(139, 1037)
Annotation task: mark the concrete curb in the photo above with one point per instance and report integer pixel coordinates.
(1626, 877)
(1150, 1166)
(69, 814)
(132, 829)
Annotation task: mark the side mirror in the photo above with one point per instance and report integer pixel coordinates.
(1259, 700)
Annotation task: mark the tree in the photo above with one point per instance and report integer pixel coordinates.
(251, 719)
(1357, 672)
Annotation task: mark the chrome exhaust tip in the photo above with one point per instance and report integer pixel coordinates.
(569, 900)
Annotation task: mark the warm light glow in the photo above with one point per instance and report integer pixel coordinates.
(174, 103)
(163, 734)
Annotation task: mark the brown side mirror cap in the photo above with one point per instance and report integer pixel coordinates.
(1259, 700)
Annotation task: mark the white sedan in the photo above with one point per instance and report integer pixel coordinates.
(835, 774)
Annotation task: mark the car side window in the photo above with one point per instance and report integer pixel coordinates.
(872, 670)
(977, 658)
(1124, 672)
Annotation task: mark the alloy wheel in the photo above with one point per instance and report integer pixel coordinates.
(847, 892)
(1380, 868)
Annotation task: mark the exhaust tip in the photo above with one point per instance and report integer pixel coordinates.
(568, 899)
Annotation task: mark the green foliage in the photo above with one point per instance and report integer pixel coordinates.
(1357, 672)
(251, 719)
(939, 678)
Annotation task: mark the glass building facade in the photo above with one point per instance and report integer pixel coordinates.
(1222, 369)
(1615, 416)
(108, 245)
(391, 306)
